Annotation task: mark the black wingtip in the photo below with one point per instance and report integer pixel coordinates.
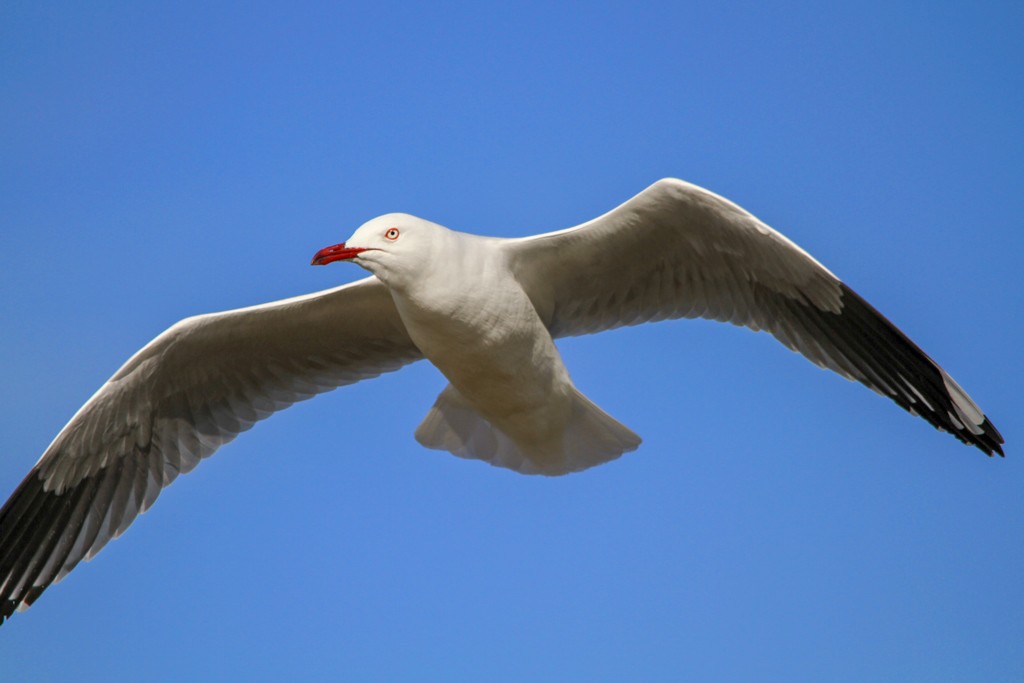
(31, 529)
(900, 358)
(995, 439)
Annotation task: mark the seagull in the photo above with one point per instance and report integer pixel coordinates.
(485, 311)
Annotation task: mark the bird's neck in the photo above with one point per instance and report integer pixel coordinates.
(455, 276)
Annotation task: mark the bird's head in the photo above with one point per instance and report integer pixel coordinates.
(395, 247)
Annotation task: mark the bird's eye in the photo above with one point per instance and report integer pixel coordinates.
(391, 234)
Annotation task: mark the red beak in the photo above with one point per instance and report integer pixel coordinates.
(337, 252)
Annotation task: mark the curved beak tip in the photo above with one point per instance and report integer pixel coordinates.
(335, 252)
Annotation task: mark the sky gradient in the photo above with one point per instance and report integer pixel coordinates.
(778, 523)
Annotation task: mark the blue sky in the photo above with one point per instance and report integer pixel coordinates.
(778, 523)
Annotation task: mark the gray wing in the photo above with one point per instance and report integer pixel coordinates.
(186, 393)
(679, 251)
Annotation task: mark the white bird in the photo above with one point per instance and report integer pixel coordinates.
(485, 311)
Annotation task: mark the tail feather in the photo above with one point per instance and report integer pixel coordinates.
(591, 437)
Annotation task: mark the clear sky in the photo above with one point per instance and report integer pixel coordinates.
(778, 523)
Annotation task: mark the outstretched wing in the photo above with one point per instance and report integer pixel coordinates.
(186, 393)
(679, 251)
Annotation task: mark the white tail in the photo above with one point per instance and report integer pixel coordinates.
(591, 437)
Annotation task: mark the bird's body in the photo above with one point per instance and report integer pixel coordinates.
(481, 342)
(485, 311)
(464, 309)
(512, 375)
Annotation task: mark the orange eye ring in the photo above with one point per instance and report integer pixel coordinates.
(391, 234)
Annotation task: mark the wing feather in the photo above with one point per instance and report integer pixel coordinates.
(677, 250)
(186, 393)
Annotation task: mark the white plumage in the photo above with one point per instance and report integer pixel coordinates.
(483, 310)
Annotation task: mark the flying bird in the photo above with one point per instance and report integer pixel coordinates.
(485, 311)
